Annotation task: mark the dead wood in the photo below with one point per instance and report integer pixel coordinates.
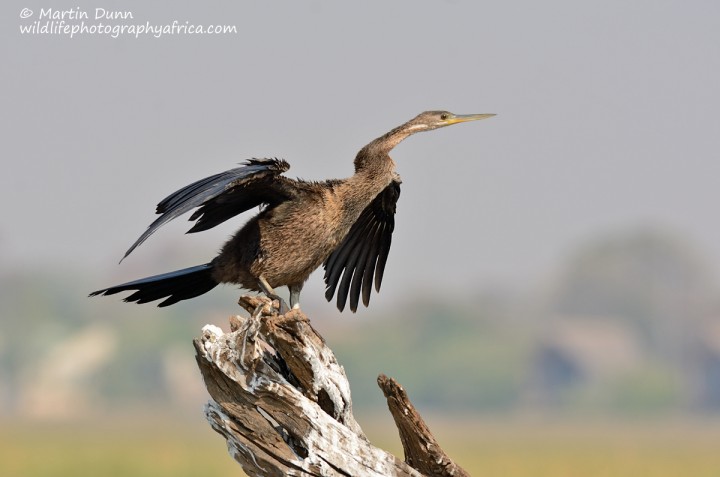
(282, 402)
(422, 451)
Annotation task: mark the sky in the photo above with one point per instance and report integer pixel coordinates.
(607, 119)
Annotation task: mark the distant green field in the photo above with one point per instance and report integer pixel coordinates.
(166, 448)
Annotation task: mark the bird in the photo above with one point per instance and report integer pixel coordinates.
(345, 225)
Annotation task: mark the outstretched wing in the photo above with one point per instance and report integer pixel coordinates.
(363, 252)
(222, 196)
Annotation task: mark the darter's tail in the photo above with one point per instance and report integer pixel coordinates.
(173, 286)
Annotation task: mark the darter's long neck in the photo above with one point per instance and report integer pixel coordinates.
(377, 151)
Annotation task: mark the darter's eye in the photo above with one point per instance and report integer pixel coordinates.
(443, 116)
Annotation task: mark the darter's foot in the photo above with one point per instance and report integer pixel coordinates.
(268, 290)
(283, 306)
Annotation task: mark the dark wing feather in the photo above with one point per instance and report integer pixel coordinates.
(363, 252)
(222, 196)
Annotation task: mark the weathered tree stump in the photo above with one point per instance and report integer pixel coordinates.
(282, 402)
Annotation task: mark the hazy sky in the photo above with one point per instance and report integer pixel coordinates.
(607, 119)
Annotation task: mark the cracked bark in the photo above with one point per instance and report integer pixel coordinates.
(282, 402)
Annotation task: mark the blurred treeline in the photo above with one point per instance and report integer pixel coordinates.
(628, 324)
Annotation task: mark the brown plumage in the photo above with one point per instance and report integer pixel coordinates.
(345, 224)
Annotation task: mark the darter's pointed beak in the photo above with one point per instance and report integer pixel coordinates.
(461, 118)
